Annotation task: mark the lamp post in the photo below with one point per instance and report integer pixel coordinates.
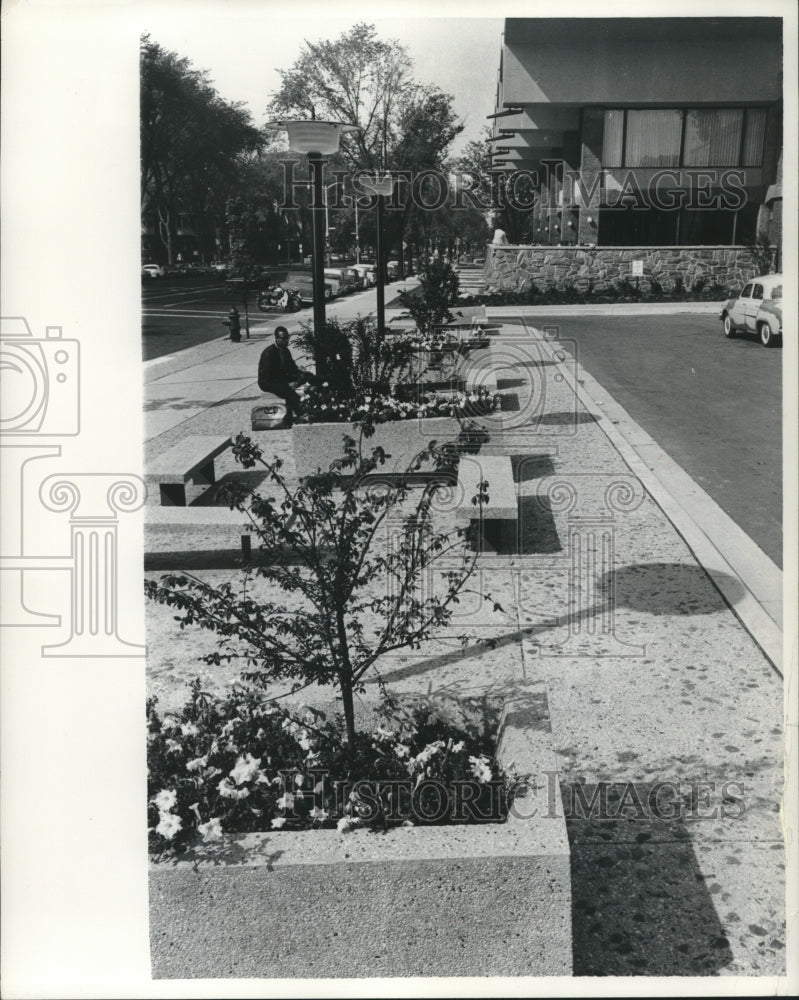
(317, 139)
(380, 187)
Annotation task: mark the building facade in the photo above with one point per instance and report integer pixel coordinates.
(656, 133)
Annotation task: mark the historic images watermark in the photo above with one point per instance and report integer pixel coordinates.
(555, 186)
(541, 796)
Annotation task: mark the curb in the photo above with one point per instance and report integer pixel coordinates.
(719, 545)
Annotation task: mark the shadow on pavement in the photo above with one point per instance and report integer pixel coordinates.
(565, 418)
(640, 903)
(670, 589)
(654, 588)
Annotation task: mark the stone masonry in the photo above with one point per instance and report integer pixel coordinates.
(515, 268)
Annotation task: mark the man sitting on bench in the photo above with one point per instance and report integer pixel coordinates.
(278, 373)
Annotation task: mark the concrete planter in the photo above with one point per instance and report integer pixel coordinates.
(488, 900)
(317, 445)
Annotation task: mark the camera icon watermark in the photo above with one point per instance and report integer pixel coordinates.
(40, 403)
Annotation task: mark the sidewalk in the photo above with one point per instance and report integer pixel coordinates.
(652, 627)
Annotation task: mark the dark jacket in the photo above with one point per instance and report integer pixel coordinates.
(276, 366)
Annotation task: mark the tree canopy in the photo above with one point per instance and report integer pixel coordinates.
(192, 142)
(366, 81)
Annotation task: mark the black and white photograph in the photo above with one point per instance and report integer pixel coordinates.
(399, 535)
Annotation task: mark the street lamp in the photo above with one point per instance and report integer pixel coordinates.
(317, 139)
(380, 187)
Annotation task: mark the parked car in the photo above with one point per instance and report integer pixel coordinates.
(302, 282)
(392, 270)
(341, 285)
(152, 271)
(368, 273)
(353, 278)
(758, 309)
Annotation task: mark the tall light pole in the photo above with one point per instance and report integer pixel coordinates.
(318, 139)
(380, 187)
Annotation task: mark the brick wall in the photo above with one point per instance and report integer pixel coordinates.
(514, 268)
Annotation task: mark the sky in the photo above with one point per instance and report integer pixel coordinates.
(244, 49)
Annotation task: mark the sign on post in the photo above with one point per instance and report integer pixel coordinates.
(637, 269)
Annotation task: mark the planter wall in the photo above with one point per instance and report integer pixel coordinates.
(317, 445)
(515, 268)
(488, 900)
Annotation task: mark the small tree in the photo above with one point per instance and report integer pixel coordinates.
(439, 290)
(323, 550)
(761, 253)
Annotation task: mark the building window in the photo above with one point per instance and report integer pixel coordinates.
(713, 138)
(630, 227)
(691, 137)
(754, 134)
(613, 139)
(653, 139)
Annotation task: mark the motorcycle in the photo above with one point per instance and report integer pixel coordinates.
(278, 297)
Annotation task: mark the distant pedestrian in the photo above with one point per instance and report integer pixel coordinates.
(278, 373)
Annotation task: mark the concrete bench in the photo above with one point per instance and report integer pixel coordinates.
(500, 515)
(189, 461)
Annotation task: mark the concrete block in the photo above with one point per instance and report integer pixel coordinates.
(497, 470)
(317, 445)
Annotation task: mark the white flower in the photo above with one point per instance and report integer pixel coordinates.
(172, 746)
(457, 747)
(422, 758)
(245, 769)
(299, 780)
(211, 831)
(402, 751)
(229, 791)
(197, 763)
(166, 800)
(347, 823)
(263, 778)
(189, 729)
(169, 825)
(480, 768)
(318, 814)
(286, 801)
(277, 822)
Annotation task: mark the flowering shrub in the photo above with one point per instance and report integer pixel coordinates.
(321, 404)
(242, 763)
(438, 290)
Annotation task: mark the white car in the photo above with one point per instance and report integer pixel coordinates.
(152, 271)
(758, 309)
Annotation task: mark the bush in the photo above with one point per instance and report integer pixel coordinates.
(438, 290)
(761, 253)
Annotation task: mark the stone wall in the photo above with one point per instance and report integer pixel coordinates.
(515, 268)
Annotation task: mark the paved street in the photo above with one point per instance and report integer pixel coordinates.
(180, 314)
(714, 405)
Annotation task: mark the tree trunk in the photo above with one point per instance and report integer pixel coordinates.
(349, 709)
